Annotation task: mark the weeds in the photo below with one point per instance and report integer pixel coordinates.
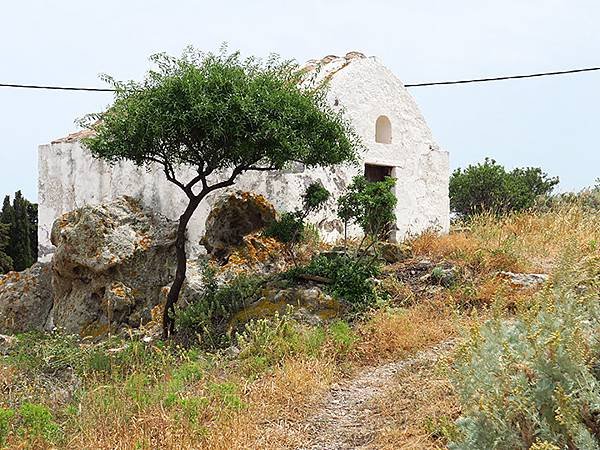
(131, 394)
(532, 378)
(205, 320)
(351, 278)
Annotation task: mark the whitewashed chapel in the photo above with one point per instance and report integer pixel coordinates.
(398, 142)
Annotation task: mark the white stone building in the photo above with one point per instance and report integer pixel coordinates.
(386, 117)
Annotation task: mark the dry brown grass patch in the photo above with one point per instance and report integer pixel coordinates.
(394, 334)
(413, 412)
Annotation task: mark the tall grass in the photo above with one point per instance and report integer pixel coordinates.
(531, 380)
(526, 241)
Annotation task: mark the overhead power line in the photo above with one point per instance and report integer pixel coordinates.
(507, 77)
(57, 88)
(409, 85)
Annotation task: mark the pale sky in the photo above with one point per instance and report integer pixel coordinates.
(549, 122)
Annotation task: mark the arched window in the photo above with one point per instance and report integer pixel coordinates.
(383, 130)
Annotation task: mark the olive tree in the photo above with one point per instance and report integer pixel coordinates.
(221, 115)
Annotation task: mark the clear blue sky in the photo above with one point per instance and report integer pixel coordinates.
(551, 122)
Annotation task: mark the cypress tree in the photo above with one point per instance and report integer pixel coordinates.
(32, 214)
(7, 217)
(20, 237)
(6, 262)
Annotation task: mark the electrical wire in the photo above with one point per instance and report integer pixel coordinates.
(408, 85)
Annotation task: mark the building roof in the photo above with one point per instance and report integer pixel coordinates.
(74, 137)
(320, 71)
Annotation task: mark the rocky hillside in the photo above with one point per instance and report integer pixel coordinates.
(310, 346)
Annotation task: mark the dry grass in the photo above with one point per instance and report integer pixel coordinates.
(417, 410)
(391, 335)
(215, 424)
(529, 241)
(228, 408)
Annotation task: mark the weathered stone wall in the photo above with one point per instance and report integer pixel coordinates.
(69, 177)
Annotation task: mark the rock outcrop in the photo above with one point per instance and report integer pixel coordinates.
(232, 217)
(25, 299)
(525, 280)
(308, 304)
(110, 263)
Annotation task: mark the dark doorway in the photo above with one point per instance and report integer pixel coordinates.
(377, 173)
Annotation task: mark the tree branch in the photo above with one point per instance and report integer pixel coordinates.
(170, 174)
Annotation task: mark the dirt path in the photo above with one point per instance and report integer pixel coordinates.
(344, 420)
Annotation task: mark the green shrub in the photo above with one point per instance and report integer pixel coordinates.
(38, 422)
(587, 199)
(288, 228)
(370, 205)
(6, 417)
(206, 319)
(488, 187)
(315, 197)
(351, 278)
(534, 379)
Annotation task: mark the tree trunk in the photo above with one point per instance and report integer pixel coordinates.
(173, 296)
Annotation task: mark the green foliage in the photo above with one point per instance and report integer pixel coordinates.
(351, 278)
(315, 197)
(38, 422)
(587, 199)
(228, 394)
(220, 115)
(343, 336)
(534, 379)
(488, 187)
(206, 319)
(6, 262)
(370, 205)
(18, 234)
(288, 228)
(264, 343)
(6, 419)
(39, 354)
(442, 428)
(35, 422)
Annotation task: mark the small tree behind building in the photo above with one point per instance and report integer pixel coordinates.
(19, 220)
(489, 187)
(6, 263)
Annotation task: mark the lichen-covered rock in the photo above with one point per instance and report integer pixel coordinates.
(307, 303)
(25, 299)
(525, 280)
(232, 217)
(392, 252)
(110, 263)
(257, 254)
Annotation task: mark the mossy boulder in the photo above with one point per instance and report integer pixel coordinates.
(25, 299)
(307, 303)
(232, 217)
(110, 264)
